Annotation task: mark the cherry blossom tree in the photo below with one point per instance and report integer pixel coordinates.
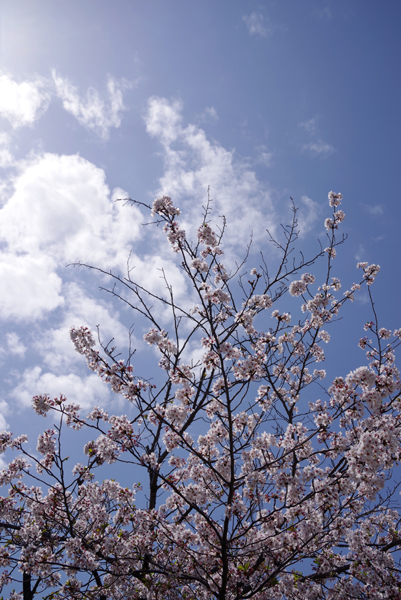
(262, 483)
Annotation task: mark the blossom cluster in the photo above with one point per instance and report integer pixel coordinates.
(164, 206)
(369, 271)
(118, 375)
(159, 338)
(297, 288)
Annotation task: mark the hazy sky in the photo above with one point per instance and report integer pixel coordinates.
(262, 101)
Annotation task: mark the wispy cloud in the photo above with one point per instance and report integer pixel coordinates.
(309, 212)
(310, 126)
(93, 111)
(360, 254)
(318, 148)
(192, 162)
(315, 147)
(80, 308)
(6, 158)
(374, 210)
(13, 346)
(22, 103)
(323, 12)
(4, 410)
(209, 115)
(265, 159)
(257, 24)
(263, 156)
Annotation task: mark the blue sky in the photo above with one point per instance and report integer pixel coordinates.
(259, 100)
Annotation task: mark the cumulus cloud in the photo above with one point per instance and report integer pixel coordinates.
(22, 103)
(29, 285)
(61, 206)
(93, 112)
(163, 119)
(61, 211)
(86, 391)
(192, 162)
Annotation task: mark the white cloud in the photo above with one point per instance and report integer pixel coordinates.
(23, 103)
(257, 25)
(265, 159)
(308, 213)
(360, 253)
(155, 272)
(212, 112)
(209, 115)
(60, 212)
(86, 391)
(80, 309)
(6, 158)
(61, 207)
(362, 298)
(163, 119)
(310, 126)
(93, 112)
(375, 209)
(192, 162)
(14, 346)
(4, 410)
(29, 286)
(318, 148)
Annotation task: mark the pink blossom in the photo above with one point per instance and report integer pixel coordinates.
(46, 442)
(297, 288)
(332, 252)
(164, 206)
(199, 265)
(217, 296)
(335, 199)
(206, 235)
